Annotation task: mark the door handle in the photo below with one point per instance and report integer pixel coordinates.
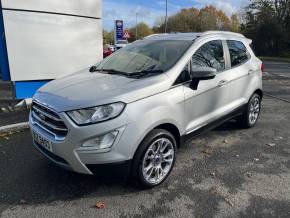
(222, 83)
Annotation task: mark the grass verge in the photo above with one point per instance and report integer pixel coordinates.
(281, 59)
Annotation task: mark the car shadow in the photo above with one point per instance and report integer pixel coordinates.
(229, 125)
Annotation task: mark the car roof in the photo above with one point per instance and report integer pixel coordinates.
(193, 35)
(173, 36)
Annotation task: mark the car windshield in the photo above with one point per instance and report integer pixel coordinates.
(146, 57)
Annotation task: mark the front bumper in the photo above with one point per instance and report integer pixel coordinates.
(69, 154)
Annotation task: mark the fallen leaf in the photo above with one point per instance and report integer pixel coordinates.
(256, 159)
(229, 201)
(207, 151)
(100, 205)
(271, 144)
(213, 190)
(226, 141)
(3, 135)
(249, 174)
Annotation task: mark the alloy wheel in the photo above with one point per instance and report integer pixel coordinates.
(254, 110)
(158, 161)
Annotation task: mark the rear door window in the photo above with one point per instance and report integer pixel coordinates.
(238, 52)
(211, 54)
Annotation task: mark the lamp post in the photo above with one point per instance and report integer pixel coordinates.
(136, 34)
(166, 12)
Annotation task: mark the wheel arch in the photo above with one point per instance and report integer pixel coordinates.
(173, 130)
(259, 92)
(168, 126)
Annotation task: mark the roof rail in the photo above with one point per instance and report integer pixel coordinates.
(156, 34)
(223, 32)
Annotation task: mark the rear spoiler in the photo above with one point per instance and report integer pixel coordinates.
(249, 41)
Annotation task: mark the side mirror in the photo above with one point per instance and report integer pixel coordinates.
(93, 69)
(201, 73)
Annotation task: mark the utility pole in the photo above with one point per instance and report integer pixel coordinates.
(136, 34)
(166, 14)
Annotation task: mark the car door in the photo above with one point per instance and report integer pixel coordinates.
(211, 98)
(240, 72)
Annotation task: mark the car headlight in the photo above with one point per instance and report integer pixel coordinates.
(96, 114)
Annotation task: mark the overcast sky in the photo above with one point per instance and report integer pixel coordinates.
(150, 10)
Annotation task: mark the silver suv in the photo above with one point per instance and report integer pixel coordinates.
(134, 109)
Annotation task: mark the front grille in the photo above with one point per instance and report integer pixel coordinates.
(50, 154)
(48, 120)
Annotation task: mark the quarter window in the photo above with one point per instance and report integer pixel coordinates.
(211, 54)
(238, 52)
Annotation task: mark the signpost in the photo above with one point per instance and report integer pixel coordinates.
(126, 34)
(118, 30)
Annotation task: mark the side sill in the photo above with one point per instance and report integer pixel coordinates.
(214, 124)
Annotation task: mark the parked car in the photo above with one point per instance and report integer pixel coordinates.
(121, 44)
(133, 110)
(112, 47)
(106, 51)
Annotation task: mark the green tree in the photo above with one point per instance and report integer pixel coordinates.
(267, 22)
(108, 37)
(142, 30)
(235, 23)
(195, 20)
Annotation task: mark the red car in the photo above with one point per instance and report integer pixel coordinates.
(107, 51)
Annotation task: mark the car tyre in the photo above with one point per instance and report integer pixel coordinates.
(154, 158)
(252, 112)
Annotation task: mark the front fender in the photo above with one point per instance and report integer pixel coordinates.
(147, 114)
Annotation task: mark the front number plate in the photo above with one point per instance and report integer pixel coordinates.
(42, 141)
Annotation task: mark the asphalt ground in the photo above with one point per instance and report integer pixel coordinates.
(278, 68)
(227, 172)
(12, 117)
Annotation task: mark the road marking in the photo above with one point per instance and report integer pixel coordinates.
(273, 96)
(276, 74)
(284, 75)
(11, 127)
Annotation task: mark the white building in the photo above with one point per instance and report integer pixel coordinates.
(47, 39)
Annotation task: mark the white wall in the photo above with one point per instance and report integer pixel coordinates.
(91, 8)
(46, 46)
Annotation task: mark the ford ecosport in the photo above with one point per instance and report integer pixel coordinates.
(133, 109)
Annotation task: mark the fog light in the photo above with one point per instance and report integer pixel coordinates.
(103, 141)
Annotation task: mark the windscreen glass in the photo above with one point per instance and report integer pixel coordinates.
(146, 55)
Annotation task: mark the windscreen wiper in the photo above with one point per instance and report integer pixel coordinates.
(146, 73)
(137, 74)
(116, 72)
